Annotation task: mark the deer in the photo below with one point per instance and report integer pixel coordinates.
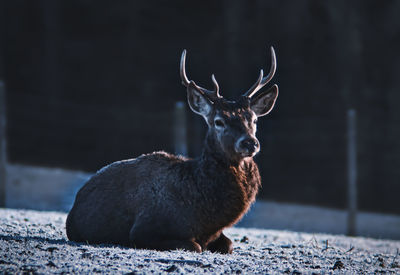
(163, 201)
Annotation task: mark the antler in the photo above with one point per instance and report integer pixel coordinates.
(213, 95)
(262, 81)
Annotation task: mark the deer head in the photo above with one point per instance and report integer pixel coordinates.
(232, 125)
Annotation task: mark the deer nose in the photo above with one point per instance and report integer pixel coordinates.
(247, 145)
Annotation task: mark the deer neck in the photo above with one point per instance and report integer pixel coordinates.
(231, 182)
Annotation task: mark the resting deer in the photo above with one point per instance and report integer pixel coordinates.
(162, 201)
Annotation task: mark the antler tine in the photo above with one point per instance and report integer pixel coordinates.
(185, 80)
(259, 84)
(255, 86)
(216, 86)
(272, 70)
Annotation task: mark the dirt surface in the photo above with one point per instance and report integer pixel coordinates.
(35, 242)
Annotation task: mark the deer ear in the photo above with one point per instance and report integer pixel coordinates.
(197, 101)
(263, 103)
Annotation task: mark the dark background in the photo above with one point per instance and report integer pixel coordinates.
(91, 82)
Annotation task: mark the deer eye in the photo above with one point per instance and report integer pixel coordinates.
(219, 123)
(255, 121)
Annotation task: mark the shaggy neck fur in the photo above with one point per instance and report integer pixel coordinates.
(231, 184)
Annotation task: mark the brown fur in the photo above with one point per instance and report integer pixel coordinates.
(177, 198)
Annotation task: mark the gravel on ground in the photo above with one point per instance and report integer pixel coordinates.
(35, 242)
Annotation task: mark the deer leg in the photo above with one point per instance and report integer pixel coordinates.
(145, 238)
(222, 245)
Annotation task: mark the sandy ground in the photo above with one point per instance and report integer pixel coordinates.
(35, 242)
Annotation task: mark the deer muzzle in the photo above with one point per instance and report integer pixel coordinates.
(247, 146)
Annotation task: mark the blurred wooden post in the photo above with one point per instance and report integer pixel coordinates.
(3, 153)
(351, 172)
(180, 138)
